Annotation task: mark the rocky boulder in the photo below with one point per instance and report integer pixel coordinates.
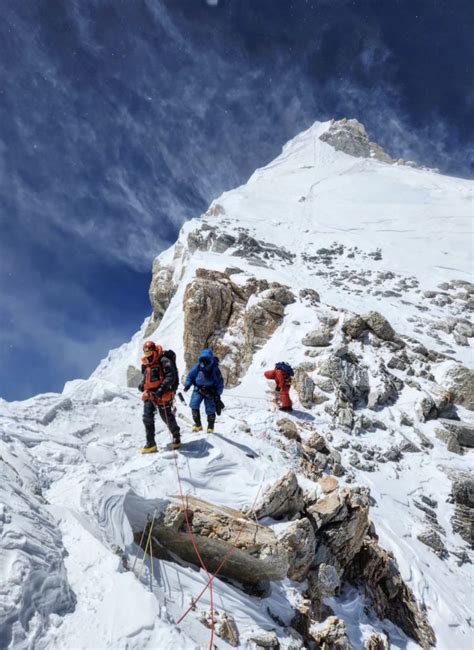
(318, 338)
(354, 326)
(282, 499)
(377, 570)
(332, 635)
(377, 642)
(304, 386)
(463, 495)
(459, 381)
(259, 556)
(462, 431)
(349, 377)
(379, 325)
(300, 543)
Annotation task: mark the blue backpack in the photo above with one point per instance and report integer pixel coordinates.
(285, 367)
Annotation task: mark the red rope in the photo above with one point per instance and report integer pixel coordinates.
(191, 534)
(220, 567)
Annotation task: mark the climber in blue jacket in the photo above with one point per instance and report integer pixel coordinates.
(208, 383)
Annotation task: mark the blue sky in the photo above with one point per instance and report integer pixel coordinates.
(119, 120)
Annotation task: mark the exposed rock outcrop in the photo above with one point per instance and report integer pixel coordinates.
(462, 431)
(463, 495)
(300, 542)
(304, 386)
(379, 325)
(318, 338)
(377, 570)
(218, 314)
(282, 499)
(259, 555)
(350, 136)
(160, 293)
(459, 381)
(331, 636)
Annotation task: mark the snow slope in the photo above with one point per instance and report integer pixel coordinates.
(364, 234)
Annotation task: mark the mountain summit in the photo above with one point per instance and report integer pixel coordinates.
(344, 523)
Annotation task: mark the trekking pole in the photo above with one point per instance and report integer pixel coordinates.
(181, 398)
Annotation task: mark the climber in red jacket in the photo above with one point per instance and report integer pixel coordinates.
(282, 374)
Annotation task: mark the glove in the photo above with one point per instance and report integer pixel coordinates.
(186, 388)
(141, 386)
(158, 392)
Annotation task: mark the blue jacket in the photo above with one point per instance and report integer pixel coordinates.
(206, 376)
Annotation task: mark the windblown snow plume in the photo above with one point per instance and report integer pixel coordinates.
(346, 523)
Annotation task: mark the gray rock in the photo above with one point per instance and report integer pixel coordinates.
(304, 386)
(323, 581)
(433, 540)
(134, 377)
(259, 556)
(354, 326)
(379, 325)
(377, 642)
(350, 137)
(463, 495)
(318, 338)
(289, 429)
(311, 295)
(299, 541)
(460, 382)
(264, 639)
(161, 290)
(283, 498)
(333, 636)
(463, 431)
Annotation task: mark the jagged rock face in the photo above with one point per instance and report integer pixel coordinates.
(300, 542)
(377, 642)
(283, 498)
(160, 292)
(342, 522)
(351, 137)
(134, 377)
(383, 388)
(462, 431)
(391, 598)
(349, 377)
(208, 302)
(304, 386)
(462, 521)
(216, 315)
(259, 556)
(333, 636)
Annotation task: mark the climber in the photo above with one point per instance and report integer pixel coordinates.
(208, 383)
(282, 374)
(159, 385)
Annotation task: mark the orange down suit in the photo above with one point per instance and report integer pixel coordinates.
(283, 383)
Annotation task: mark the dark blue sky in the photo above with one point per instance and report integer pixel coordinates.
(119, 120)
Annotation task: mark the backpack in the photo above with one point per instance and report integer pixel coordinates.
(171, 356)
(285, 367)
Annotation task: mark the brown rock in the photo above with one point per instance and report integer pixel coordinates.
(258, 556)
(333, 636)
(328, 484)
(354, 326)
(377, 570)
(283, 498)
(300, 543)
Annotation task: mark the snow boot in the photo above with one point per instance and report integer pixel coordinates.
(197, 421)
(149, 449)
(210, 423)
(176, 444)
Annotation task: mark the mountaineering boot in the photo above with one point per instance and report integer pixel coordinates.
(197, 421)
(149, 449)
(210, 423)
(288, 409)
(176, 444)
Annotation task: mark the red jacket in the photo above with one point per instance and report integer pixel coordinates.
(283, 382)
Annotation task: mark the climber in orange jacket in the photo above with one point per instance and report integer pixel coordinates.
(282, 374)
(159, 384)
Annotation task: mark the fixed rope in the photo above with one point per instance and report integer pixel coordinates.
(191, 533)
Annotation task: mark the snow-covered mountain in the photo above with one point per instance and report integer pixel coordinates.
(357, 270)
